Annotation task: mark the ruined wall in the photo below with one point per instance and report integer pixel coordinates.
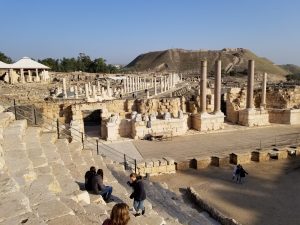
(161, 106)
(235, 101)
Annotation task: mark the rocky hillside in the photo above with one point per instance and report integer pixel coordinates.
(291, 68)
(187, 61)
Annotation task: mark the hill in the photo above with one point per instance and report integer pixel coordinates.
(291, 68)
(188, 61)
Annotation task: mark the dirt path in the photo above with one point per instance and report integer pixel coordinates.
(270, 194)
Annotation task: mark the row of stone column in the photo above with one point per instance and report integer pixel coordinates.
(217, 90)
(43, 76)
(89, 90)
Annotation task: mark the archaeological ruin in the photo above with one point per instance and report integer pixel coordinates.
(55, 125)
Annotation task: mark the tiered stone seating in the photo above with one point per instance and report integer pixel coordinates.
(42, 177)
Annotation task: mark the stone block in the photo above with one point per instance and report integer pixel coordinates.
(183, 165)
(162, 169)
(203, 162)
(260, 156)
(155, 162)
(148, 163)
(163, 162)
(169, 160)
(214, 161)
(240, 158)
(171, 168)
(282, 154)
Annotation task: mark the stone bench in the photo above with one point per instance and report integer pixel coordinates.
(220, 161)
(240, 158)
(203, 162)
(260, 155)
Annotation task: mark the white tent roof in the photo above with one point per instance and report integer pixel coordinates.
(28, 63)
(4, 65)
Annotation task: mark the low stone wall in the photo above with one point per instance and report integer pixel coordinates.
(223, 160)
(155, 167)
(253, 117)
(208, 122)
(170, 127)
(213, 212)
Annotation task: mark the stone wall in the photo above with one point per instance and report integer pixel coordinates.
(235, 101)
(171, 127)
(156, 167)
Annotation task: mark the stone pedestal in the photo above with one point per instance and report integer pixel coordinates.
(253, 117)
(112, 131)
(208, 122)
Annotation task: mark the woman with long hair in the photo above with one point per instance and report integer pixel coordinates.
(119, 215)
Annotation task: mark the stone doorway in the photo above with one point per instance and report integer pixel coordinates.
(92, 122)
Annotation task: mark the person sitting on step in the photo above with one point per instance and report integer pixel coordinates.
(119, 215)
(99, 188)
(88, 178)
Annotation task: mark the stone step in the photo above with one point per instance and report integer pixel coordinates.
(13, 204)
(52, 209)
(47, 137)
(6, 118)
(27, 218)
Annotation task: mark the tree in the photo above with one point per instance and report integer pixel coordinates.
(5, 58)
(54, 64)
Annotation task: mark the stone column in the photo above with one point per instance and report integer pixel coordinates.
(155, 86)
(250, 84)
(64, 88)
(37, 79)
(76, 91)
(94, 91)
(264, 91)
(87, 91)
(203, 84)
(217, 100)
(29, 78)
(90, 88)
(124, 85)
(22, 76)
(181, 77)
(165, 83)
(98, 87)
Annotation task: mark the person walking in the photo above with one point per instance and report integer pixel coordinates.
(237, 172)
(119, 215)
(242, 174)
(138, 195)
(234, 172)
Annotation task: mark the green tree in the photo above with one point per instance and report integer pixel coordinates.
(5, 58)
(54, 64)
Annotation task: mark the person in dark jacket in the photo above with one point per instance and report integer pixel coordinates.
(88, 178)
(99, 188)
(242, 174)
(139, 194)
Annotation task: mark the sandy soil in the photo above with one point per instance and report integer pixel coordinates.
(270, 194)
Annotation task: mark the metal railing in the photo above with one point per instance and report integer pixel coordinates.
(36, 118)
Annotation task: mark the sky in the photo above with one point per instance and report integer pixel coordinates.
(120, 30)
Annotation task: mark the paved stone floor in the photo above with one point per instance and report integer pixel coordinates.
(270, 194)
(232, 139)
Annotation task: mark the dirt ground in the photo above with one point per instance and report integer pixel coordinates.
(269, 196)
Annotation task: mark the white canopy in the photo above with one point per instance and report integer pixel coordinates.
(24, 63)
(4, 65)
(28, 63)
